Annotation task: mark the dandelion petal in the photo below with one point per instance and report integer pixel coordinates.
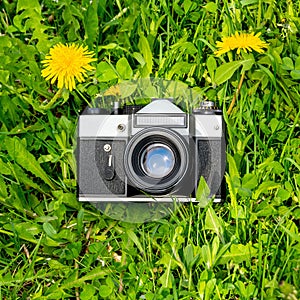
(64, 63)
(244, 41)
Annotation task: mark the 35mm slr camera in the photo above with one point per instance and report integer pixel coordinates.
(151, 153)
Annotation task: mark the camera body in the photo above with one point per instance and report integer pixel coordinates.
(151, 153)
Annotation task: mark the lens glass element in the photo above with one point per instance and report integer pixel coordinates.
(157, 160)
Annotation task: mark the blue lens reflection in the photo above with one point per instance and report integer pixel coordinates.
(157, 160)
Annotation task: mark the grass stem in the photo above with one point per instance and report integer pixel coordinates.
(53, 100)
(236, 94)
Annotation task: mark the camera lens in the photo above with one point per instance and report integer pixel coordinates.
(157, 160)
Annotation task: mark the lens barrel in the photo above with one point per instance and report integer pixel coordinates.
(156, 160)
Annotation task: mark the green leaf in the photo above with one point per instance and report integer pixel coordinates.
(145, 50)
(70, 15)
(4, 76)
(50, 231)
(3, 189)
(202, 193)
(297, 63)
(108, 46)
(88, 292)
(232, 191)
(27, 231)
(213, 223)
(132, 269)
(206, 255)
(215, 248)
(67, 198)
(175, 89)
(249, 181)
(105, 73)
(188, 254)
(233, 170)
(248, 63)
(238, 253)
(167, 260)
(151, 92)
(287, 63)
(28, 5)
(211, 66)
(269, 74)
(265, 209)
(18, 152)
(56, 265)
(295, 74)
(127, 88)
(293, 232)
(242, 289)
(123, 68)
(4, 169)
(139, 57)
(31, 18)
(96, 274)
(188, 5)
(210, 288)
(211, 7)
(80, 217)
(185, 47)
(274, 124)
(238, 212)
(5, 42)
(105, 291)
(276, 167)
(248, 2)
(226, 71)
(91, 23)
(166, 280)
(135, 239)
(283, 194)
(17, 198)
(180, 68)
(265, 187)
(23, 177)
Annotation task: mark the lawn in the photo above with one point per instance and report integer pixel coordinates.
(246, 247)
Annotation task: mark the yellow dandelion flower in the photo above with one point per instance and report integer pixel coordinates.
(64, 63)
(243, 41)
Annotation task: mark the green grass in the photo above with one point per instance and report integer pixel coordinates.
(53, 247)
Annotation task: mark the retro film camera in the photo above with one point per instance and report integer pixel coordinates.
(151, 153)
